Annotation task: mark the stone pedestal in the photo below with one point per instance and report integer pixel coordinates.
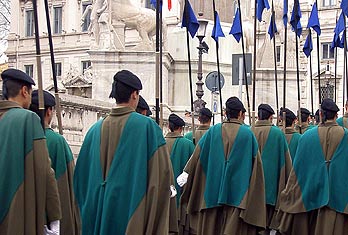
(106, 63)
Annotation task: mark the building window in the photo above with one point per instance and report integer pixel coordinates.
(327, 91)
(29, 24)
(329, 3)
(86, 15)
(57, 17)
(327, 52)
(29, 69)
(278, 53)
(58, 68)
(85, 65)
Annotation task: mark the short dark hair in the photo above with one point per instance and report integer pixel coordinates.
(204, 118)
(232, 113)
(13, 87)
(263, 114)
(328, 115)
(123, 92)
(289, 122)
(304, 117)
(35, 109)
(173, 127)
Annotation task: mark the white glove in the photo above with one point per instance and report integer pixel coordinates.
(182, 179)
(173, 191)
(54, 225)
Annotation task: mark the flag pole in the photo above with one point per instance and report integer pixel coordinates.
(284, 70)
(275, 61)
(54, 72)
(318, 62)
(345, 89)
(160, 64)
(38, 66)
(218, 64)
(311, 75)
(296, 7)
(244, 63)
(158, 9)
(254, 67)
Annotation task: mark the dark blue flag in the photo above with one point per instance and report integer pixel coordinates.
(154, 3)
(236, 29)
(217, 30)
(189, 19)
(272, 29)
(285, 13)
(295, 19)
(341, 44)
(337, 42)
(308, 46)
(344, 6)
(313, 21)
(261, 5)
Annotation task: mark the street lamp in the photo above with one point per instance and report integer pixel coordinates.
(202, 48)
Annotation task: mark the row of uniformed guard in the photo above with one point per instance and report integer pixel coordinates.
(129, 179)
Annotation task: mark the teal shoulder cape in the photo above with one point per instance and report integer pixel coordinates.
(189, 136)
(180, 154)
(59, 151)
(293, 144)
(318, 178)
(227, 181)
(340, 121)
(19, 128)
(107, 205)
(273, 160)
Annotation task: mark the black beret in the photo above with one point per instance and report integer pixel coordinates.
(329, 105)
(142, 103)
(266, 107)
(128, 78)
(176, 120)
(206, 112)
(49, 99)
(15, 74)
(289, 114)
(234, 103)
(305, 111)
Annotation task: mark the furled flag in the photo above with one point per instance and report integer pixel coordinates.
(285, 13)
(236, 29)
(336, 42)
(295, 19)
(217, 30)
(308, 46)
(272, 29)
(313, 21)
(189, 19)
(154, 3)
(344, 6)
(341, 44)
(261, 5)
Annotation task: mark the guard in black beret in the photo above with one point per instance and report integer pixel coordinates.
(290, 117)
(10, 78)
(143, 107)
(265, 111)
(205, 112)
(305, 114)
(49, 100)
(235, 109)
(328, 110)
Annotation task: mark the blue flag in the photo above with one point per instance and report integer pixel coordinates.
(189, 19)
(217, 30)
(236, 29)
(313, 21)
(261, 5)
(344, 6)
(272, 29)
(295, 19)
(154, 4)
(337, 42)
(285, 13)
(308, 46)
